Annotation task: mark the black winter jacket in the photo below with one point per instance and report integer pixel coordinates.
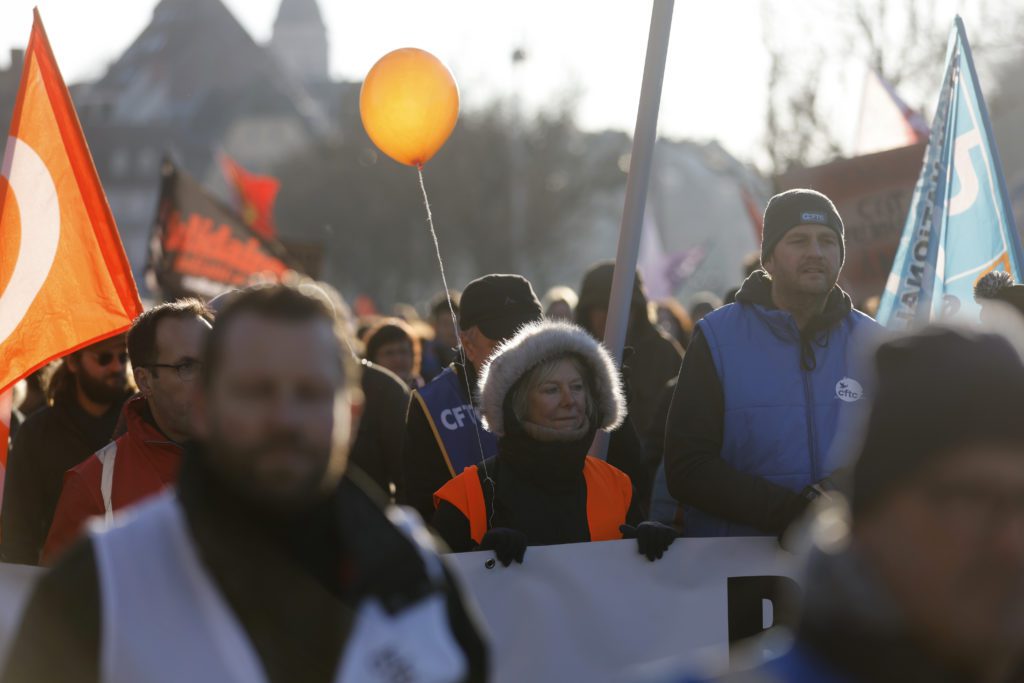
(48, 444)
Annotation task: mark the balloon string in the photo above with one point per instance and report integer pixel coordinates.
(437, 250)
(455, 327)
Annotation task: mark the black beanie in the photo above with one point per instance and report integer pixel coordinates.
(789, 209)
(937, 391)
(499, 305)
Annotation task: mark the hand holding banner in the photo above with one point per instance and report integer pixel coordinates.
(602, 612)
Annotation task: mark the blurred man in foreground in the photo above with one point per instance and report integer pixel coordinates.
(269, 563)
(921, 578)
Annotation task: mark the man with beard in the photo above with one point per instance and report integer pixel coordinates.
(86, 392)
(765, 380)
(270, 563)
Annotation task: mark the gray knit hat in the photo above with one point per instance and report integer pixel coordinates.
(789, 209)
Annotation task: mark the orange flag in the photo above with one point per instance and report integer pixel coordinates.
(65, 282)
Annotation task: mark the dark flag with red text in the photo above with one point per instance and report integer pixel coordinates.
(201, 247)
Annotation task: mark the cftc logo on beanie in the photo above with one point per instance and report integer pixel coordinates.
(809, 217)
(849, 390)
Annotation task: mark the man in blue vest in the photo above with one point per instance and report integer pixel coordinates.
(443, 434)
(765, 379)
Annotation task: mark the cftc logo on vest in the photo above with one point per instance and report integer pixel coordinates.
(459, 417)
(849, 390)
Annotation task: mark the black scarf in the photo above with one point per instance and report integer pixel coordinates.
(551, 465)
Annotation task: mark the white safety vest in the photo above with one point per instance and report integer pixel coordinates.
(165, 621)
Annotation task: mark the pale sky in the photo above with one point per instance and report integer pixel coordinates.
(714, 83)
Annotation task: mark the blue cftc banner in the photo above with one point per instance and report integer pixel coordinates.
(960, 226)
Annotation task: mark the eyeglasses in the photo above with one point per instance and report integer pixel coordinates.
(187, 370)
(105, 358)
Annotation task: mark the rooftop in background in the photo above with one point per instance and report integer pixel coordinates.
(192, 51)
(194, 82)
(299, 12)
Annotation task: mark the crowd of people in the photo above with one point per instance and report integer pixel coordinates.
(274, 454)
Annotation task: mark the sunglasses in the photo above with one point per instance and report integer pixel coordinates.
(105, 358)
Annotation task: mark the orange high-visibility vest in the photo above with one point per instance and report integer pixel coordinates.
(609, 493)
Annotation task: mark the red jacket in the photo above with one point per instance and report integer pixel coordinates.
(145, 463)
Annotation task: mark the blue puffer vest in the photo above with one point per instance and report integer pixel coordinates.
(779, 418)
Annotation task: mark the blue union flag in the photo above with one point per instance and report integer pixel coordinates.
(960, 226)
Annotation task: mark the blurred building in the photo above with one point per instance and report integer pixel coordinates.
(195, 83)
(300, 41)
(695, 214)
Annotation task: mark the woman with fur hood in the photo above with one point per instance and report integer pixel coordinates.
(544, 394)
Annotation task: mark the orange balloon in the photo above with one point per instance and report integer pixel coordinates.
(409, 104)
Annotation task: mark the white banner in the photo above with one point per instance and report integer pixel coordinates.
(602, 612)
(589, 611)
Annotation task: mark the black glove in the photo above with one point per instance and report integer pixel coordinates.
(653, 538)
(507, 544)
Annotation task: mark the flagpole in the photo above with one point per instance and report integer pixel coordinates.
(644, 137)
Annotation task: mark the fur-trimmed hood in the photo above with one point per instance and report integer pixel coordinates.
(536, 343)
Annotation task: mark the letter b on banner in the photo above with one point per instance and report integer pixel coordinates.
(757, 603)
